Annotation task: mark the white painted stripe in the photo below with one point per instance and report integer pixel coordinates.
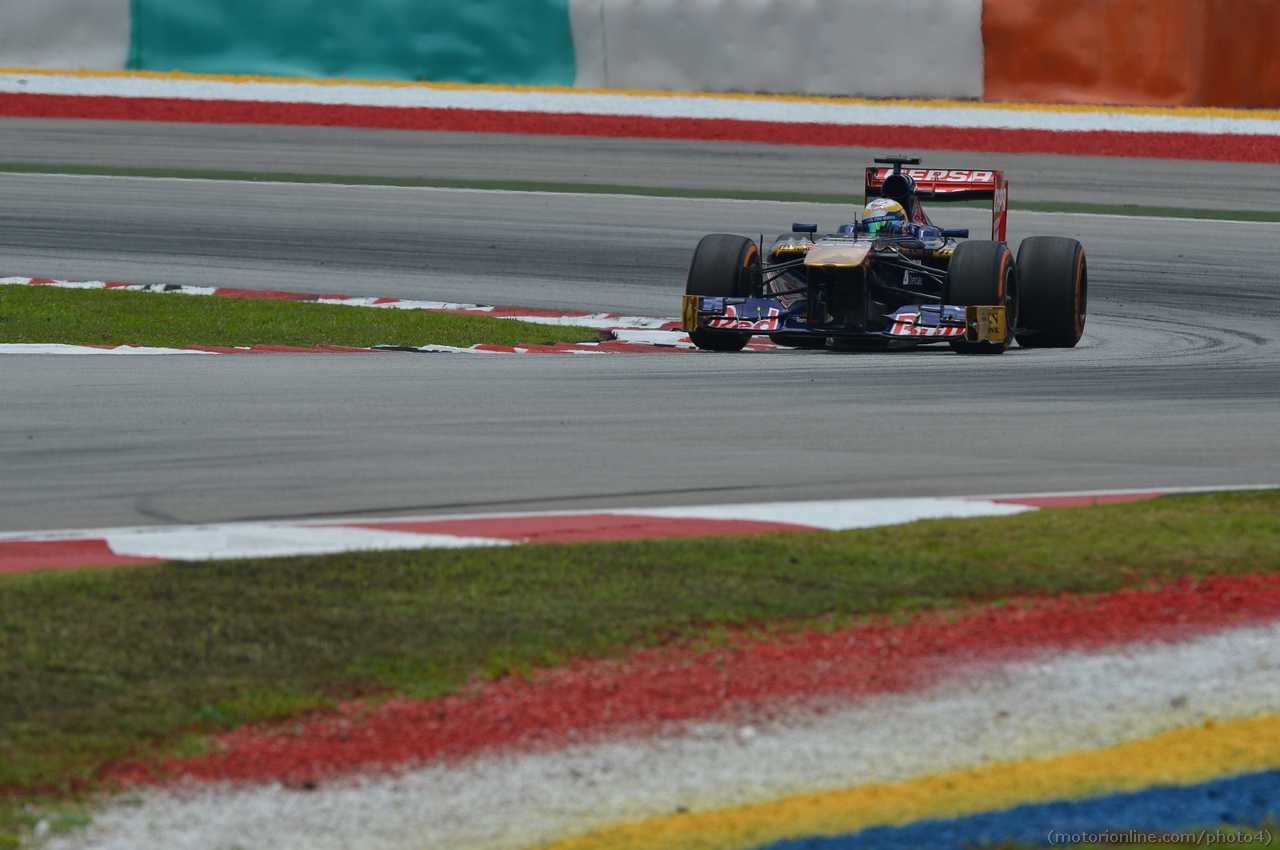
(787, 110)
(59, 348)
(270, 540)
(282, 539)
(65, 34)
(673, 339)
(453, 349)
(980, 715)
(832, 47)
(601, 321)
(406, 304)
(844, 514)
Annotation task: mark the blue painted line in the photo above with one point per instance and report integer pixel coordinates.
(1242, 800)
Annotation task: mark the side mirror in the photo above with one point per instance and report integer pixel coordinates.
(954, 232)
(805, 228)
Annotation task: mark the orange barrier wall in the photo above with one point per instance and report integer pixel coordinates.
(1144, 52)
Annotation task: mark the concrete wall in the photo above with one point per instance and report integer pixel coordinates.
(74, 34)
(907, 48)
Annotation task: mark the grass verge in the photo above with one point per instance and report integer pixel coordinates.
(610, 189)
(46, 314)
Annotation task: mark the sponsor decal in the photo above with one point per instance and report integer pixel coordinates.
(742, 311)
(958, 176)
(999, 209)
(730, 324)
(909, 324)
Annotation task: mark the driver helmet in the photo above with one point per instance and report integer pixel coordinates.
(883, 216)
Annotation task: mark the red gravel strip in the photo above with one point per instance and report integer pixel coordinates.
(649, 689)
(1226, 148)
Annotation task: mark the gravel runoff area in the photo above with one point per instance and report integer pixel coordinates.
(989, 710)
(522, 800)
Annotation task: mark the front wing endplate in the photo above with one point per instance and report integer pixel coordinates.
(689, 313)
(985, 324)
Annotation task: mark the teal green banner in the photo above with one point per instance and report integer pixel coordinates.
(471, 41)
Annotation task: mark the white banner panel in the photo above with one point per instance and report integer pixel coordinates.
(869, 48)
(66, 34)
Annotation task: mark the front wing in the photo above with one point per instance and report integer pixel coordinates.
(923, 323)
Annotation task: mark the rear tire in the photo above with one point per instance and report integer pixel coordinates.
(983, 273)
(1055, 291)
(717, 269)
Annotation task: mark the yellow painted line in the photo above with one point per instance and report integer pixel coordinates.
(1181, 757)
(995, 106)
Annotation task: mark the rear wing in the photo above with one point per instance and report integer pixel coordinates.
(941, 184)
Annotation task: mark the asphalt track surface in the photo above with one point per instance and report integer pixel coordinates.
(1177, 382)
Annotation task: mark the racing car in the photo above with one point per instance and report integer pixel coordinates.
(891, 279)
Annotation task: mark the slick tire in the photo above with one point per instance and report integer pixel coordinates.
(717, 269)
(983, 273)
(1055, 290)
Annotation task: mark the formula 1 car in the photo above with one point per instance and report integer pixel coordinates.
(891, 279)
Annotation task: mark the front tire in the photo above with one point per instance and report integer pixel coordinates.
(1055, 292)
(720, 267)
(983, 273)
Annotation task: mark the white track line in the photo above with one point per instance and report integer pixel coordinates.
(58, 348)
(274, 540)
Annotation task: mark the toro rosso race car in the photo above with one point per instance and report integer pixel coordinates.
(891, 279)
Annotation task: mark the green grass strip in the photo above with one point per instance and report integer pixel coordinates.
(613, 189)
(96, 664)
(47, 314)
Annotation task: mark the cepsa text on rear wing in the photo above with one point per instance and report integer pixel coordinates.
(952, 184)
